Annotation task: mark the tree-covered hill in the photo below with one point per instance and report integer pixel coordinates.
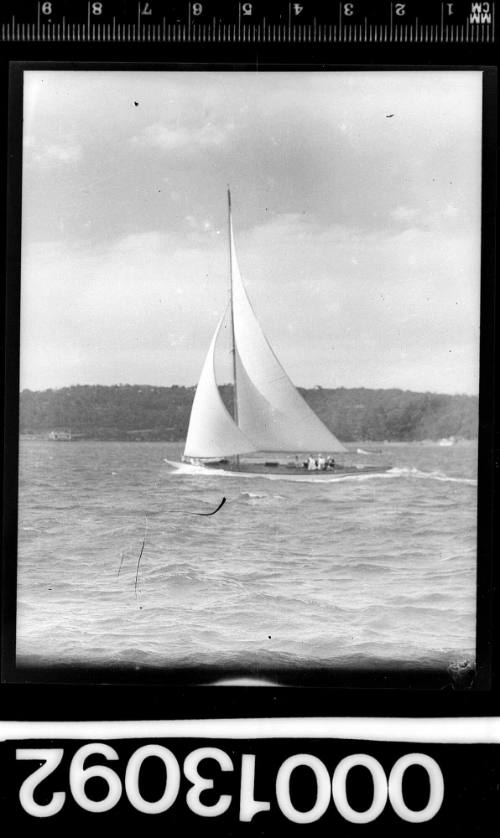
(144, 412)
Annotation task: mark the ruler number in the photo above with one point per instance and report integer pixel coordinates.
(46, 8)
(145, 9)
(247, 9)
(197, 9)
(297, 9)
(400, 9)
(348, 9)
(97, 8)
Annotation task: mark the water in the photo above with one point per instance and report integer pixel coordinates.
(286, 573)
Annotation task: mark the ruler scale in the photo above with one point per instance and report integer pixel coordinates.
(357, 22)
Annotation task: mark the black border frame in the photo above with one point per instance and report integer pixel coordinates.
(344, 687)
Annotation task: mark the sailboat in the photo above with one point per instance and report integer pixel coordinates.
(269, 415)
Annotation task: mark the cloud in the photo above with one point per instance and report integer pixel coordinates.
(405, 213)
(358, 236)
(389, 308)
(188, 138)
(51, 154)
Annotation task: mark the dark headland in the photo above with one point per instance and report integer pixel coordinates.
(131, 412)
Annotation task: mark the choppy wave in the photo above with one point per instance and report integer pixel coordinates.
(290, 573)
(432, 475)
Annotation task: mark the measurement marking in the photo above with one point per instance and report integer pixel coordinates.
(291, 29)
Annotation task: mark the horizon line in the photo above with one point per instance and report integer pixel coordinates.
(230, 384)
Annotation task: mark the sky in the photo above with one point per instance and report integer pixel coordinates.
(356, 215)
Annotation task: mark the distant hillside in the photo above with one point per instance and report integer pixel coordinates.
(143, 412)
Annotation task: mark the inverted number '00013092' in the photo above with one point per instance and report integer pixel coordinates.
(387, 790)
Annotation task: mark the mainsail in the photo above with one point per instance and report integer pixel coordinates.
(271, 413)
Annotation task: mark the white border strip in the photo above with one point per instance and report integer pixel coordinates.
(436, 730)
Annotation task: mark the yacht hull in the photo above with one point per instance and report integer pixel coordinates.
(279, 469)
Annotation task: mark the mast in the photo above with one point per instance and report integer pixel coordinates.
(235, 392)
